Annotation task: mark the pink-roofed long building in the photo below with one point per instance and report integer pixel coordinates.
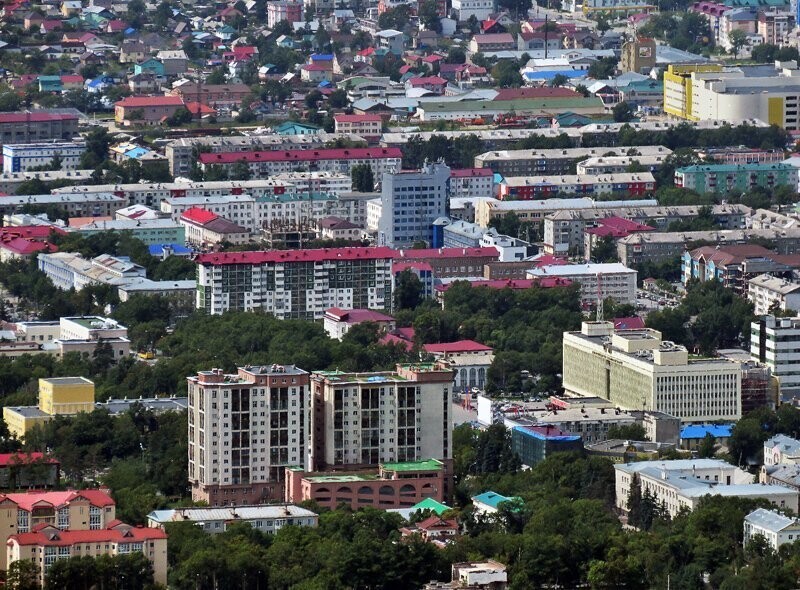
(469, 360)
(338, 322)
(610, 227)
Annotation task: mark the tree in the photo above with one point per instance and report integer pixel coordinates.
(558, 80)
(240, 171)
(408, 290)
(22, 575)
(362, 176)
(428, 16)
(603, 68)
(181, 116)
(338, 99)
(737, 39)
(216, 77)
(623, 112)
(313, 99)
(97, 142)
(708, 447)
(605, 250)
(628, 432)
(506, 74)
(455, 55)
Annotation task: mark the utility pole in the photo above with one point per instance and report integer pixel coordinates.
(546, 23)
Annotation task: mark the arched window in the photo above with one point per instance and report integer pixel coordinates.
(472, 377)
(366, 490)
(407, 489)
(386, 491)
(481, 377)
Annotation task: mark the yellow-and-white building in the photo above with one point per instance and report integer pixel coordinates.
(57, 396)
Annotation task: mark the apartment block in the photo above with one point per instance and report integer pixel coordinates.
(602, 280)
(295, 284)
(776, 528)
(534, 443)
(367, 126)
(244, 430)
(471, 183)
(725, 178)
(287, 10)
(38, 126)
(265, 518)
(22, 157)
(636, 369)
(410, 202)
(364, 419)
(542, 187)
(768, 293)
(681, 484)
(149, 231)
(775, 342)
(556, 161)
(263, 164)
(74, 204)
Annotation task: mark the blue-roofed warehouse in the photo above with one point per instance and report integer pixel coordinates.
(692, 436)
(533, 444)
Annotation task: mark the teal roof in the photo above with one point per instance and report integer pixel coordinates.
(778, 166)
(432, 505)
(493, 499)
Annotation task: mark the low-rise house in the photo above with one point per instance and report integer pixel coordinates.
(338, 322)
(777, 529)
(433, 529)
(489, 503)
(146, 110)
(265, 518)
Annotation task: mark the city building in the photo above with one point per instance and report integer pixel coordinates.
(72, 271)
(433, 529)
(471, 183)
(238, 455)
(533, 444)
(776, 529)
(265, 518)
(480, 9)
(543, 187)
(638, 55)
(725, 178)
(450, 263)
(268, 163)
(769, 293)
(213, 95)
(617, 164)
(781, 450)
(395, 485)
(205, 229)
(58, 396)
(597, 280)
(28, 471)
(682, 483)
(548, 162)
(460, 234)
(613, 228)
(38, 126)
(415, 423)
(73, 204)
(338, 322)
(182, 294)
(146, 110)
(295, 284)
(367, 126)
(735, 265)
(774, 342)
(410, 202)
(45, 545)
(635, 369)
(22, 157)
(693, 435)
(489, 503)
(149, 231)
(469, 360)
(69, 334)
(486, 575)
(287, 10)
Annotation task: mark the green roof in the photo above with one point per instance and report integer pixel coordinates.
(344, 478)
(432, 505)
(756, 167)
(426, 465)
(506, 106)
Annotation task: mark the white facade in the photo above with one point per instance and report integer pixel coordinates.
(72, 271)
(267, 518)
(781, 450)
(472, 186)
(775, 342)
(778, 529)
(23, 157)
(480, 9)
(767, 292)
(636, 370)
(510, 249)
(374, 212)
(618, 164)
(411, 202)
(682, 484)
(613, 280)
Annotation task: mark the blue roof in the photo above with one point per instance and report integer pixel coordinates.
(137, 152)
(550, 74)
(492, 499)
(700, 431)
(325, 84)
(561, 436)
(322, 57)
(158, 249)
(130, 31)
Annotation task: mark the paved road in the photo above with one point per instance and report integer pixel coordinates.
(460, 415)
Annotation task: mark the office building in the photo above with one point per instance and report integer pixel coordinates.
(470, 183)
(295, 284)
(601, 280)
(556, 161)
(72, 271)
(244, 430)
(739, 178)
(774, 342)
(48, 544)
(396, 485)
(735, 265)
(38, 126)
(364, 419)
(533, 444)
(461, 234)
(22, 157)
(775, 528)
(410, 202)
(681, 484)
(769, 293)
(635, 369)
(265, 518)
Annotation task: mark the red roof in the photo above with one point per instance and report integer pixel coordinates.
(31, 231)
(624, 224)
(282, 256)
(199, 215)
(204, 109)
(427, 81)
(544, 282)
(301, 155)
(469, 172)
(356, 316)
(460, 346)
(547, 260)
(150, 101)
(538, 92)
(433, 58)
(437, 522)
(50, 536)
(24, 247)
(26, 501)
(35, 117)
(433, 253)
(494, 38)
(72, 79)
(632, 323)
(357, 118)
(7, 459)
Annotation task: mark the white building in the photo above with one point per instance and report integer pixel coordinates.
(338, 322)
(781, 450)
(244, 430)
(618, 164)
(410, 202)
(471, 183)
(603, 280)
(775, 342)
(683, 483)
(776, 528)
(537, 210)
(24, 156)
(768, 292)
(265, 518)
(469, 360)
(480, 9)
(635, 369)
(72, 271)
(511, 249)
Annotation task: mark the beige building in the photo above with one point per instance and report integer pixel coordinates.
(58, 396)
(638, 55)
(363, 125)
(636, 369)
(244, 430)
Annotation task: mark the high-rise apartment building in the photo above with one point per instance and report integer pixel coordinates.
(775, 342)
(363, 419)
(244, 430)
(637, 370)
(410, 202)
(295, 284)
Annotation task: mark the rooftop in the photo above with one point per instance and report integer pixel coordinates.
(424, 465)
(770, 520)
(300, 155)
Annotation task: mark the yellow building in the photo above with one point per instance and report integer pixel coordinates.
(678, 88)
(57, 396)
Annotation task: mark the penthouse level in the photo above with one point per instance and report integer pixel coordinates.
(267, 163)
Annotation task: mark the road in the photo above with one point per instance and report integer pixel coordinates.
(461, 415)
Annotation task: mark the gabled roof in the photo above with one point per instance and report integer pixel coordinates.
(460, 346)
(149, 101)
(199, 215)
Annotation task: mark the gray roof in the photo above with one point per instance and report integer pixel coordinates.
(787, 444)
(230, 513)
(770, 520)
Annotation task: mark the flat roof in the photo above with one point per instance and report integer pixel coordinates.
(424, 465)
(68, 381)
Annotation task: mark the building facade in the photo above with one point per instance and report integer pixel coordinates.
(534, 443)
(768, 293)
(775, 342)
(23, 157)
(38, 126)
(776, 528)
(600, 280)
(725, 178)
(265, 518)
(244, 430)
